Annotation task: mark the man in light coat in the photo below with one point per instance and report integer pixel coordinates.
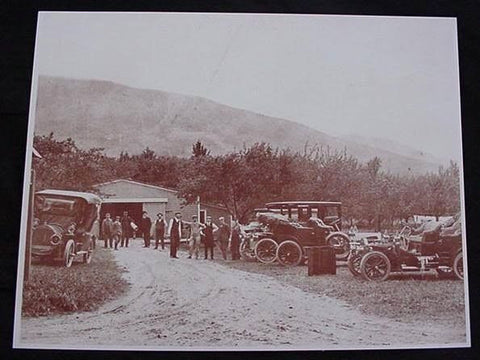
(107, 230)
(117, 231)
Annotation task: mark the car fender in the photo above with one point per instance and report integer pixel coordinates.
(286, 237)
(264, 235)
(389, 251)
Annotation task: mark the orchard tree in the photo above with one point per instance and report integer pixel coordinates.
(64, 166)
(442, 191)
(240, 181)
(198, 149)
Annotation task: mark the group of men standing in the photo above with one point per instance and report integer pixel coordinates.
(121, 230)
(204, 233)
(117, 231)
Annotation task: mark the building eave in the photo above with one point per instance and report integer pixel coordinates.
(136, 183)
(114, 200)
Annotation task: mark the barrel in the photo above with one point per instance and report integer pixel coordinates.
(321, 260)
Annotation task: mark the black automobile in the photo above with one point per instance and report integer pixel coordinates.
(285, 240)
(376, 261)
(291, 226)
(65, 226)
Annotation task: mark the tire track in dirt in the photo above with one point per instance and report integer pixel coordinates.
(147, 302)
(207, 280)
(199, 304)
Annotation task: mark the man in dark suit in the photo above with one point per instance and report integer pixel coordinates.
(223, 236)
(175, 232)
(208, 239)
(235, 240)
(146, 225)
(127, 230)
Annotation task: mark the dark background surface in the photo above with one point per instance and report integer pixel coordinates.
(17, 39)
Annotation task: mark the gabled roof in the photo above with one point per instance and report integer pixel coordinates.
(216, 206)
(153, 187)
(136, 183)
(302, 203)
(88, 197)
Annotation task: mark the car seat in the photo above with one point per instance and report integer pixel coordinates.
(429, 241)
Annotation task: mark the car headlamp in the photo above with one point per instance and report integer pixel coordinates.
(55, 239)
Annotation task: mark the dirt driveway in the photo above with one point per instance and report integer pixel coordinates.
(200, 304)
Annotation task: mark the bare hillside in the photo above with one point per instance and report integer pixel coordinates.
(120, 118)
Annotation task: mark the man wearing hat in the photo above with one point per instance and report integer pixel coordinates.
(175, 232)
(160, 231)
(208, 231)
(195, 234)
(127, 230)
(106, 230)
(223, 236)
(146, 225)
(117, 231)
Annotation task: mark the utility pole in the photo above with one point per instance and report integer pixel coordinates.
(198, 208)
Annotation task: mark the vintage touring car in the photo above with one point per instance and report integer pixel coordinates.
(66, 225)
(377, 260)
(283, 230)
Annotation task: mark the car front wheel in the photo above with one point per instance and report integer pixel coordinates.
(340, 243)
(246, 252)
(87, 257)
(375, 266)
(69, 253)
(266, 251)
(458, 266)
(353, 264)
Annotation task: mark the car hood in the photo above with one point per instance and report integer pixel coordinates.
(43, 234)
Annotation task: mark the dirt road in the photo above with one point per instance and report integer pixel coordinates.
(200, 304)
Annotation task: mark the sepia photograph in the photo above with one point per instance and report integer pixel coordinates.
(229, 182)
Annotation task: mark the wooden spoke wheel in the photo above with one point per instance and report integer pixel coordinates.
(87, 258)
(69, 253)
(375, 266)
(246, 252)
(266, 251)
(289, 253)
(458, 266)
(353, 264)
(340, 243)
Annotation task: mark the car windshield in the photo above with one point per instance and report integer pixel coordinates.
(303, 212)
(331, 211)
(59, 210)
(272, 218)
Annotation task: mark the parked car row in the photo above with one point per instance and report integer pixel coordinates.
(66, 228)
(283, 231)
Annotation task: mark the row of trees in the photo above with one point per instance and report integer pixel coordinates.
(246, 179)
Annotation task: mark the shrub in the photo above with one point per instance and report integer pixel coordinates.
(54, 289)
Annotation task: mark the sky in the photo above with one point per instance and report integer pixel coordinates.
(389, 77)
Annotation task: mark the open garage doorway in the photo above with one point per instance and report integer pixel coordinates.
(117, 209)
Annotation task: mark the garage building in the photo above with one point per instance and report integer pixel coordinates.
(136, 197)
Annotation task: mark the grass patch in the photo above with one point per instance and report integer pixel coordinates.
(54, 289)
(405, 298)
